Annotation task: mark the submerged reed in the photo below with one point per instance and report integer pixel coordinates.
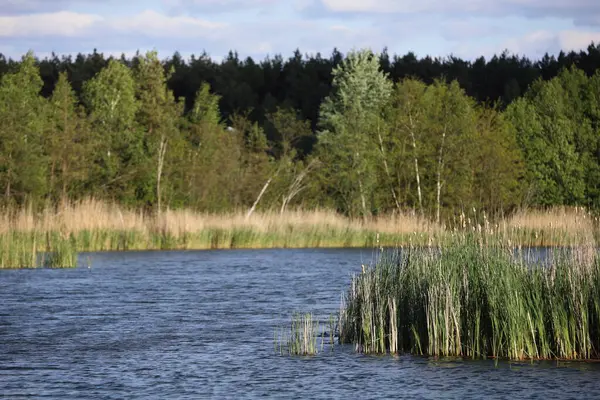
(301, 338)
(476, 297)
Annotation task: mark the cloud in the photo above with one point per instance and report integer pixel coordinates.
(530, 8)
(152, 23)
(62, 23)
(15, 7)
(536, 44)
(71, 24)
(258, 28)
(465, 29)
(216, 6)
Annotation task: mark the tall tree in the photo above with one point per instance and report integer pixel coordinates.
(450, 126)
(158, 115)
(23, 119)
(498, 166)
(548, 130)
(111, 101)
(408, 114)
(348, 121)
(67, 142)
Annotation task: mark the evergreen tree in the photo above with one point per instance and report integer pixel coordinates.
(67, 142)
(158, 116)
(23, 119)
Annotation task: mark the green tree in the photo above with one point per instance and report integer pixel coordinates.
(349, 119)
(206, 107)
(549, 129)
(407, 116)
(67, 142)
(498, 165)
(22, 122)
(212, 158)
(292, 170)
(450, 127)
(110, 98)
(158, 115)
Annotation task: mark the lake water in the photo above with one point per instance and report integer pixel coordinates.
(200, 324)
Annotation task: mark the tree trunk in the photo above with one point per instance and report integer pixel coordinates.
(64, 183)
(161, 160)
(418, 176)
(7, 193)
(52, 169)
(362, 199)
(264, 189)
(387, 171)
(439, 176)
(296, 187)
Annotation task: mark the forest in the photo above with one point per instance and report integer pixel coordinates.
(360, 133)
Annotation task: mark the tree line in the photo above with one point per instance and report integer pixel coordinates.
(360, 133)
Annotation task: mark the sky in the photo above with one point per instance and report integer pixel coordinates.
(262, 28)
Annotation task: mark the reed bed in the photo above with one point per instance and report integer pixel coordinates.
(558, 226)
(55, 234)
(91, 225)
(475, 297)
(301, 337)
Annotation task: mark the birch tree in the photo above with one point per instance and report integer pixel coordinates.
(451, 122)
(409, 121)
(158, 115)
(348, 128)
(110, 98)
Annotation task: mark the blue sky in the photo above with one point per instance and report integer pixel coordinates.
(257, 28)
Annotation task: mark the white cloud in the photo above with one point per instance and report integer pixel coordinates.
(536, 44)
(62, 23)
(531, 8)
(152, 23)
(577, 40)
(71, 24)
(217, 6)
(11, 7)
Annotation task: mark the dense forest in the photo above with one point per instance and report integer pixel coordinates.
(360, 133)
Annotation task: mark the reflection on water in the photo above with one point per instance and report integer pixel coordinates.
(176, 325)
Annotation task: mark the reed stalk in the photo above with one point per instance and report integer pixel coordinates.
(472, 295)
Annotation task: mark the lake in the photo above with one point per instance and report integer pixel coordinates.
(200, 324)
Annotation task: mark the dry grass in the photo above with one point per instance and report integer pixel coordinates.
(556, 226)
(94, 225)
(573, 220)
(93, 215)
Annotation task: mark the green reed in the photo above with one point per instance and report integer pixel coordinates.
(34, 250)
(301, 336)
(473, 299)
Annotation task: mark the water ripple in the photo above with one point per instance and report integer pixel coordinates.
(188, 325)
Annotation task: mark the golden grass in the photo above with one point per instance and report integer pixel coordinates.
(555, 226)
(95, 225)
(98, 225)
(92, 215)
(569, 219)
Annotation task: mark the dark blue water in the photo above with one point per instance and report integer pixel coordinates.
(188, 325)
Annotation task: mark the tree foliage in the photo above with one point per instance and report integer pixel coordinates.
(363, 133)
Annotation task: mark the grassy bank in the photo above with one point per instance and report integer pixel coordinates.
(473, 297)
(97, 226)
(54, 235)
